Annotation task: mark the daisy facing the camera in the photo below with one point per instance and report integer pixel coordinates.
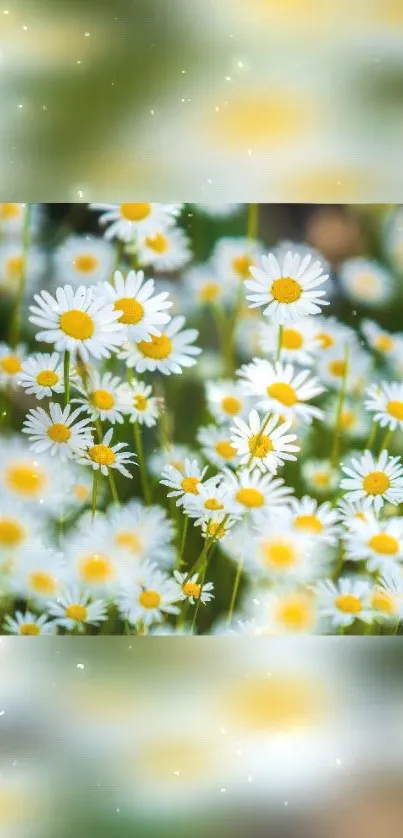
(374, 481)
(264, 443)
(142, 313)
(287, 287)
(167, 353)
(59, 432)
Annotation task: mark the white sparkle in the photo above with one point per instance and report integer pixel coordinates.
(80, 666)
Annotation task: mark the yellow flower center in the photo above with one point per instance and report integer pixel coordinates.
(213, 505)
(159, 347)
(291, 339)
(96, 569)
(347, 419)
(395, 409)
(295, 613)
(250, 497)
(59, 432)
(47, 378)
(86, 263)
(384, 602)
(135, 212)
(348, 604)
(10, 211)
(326, 341)
(42, 583)
(308, 522)
(225, 449)
(26, 480)
(10, 364)
(384, 543)
(260, 445)
(321, 478)
(384, 343)
(263, 119)
(190, 484)
(241, 265)
(140, 402)
(15, 265)
(29, 630)
(132, 310)
(81, 492)
(231, 405)
(191, 589)
(129, 541)
(283, 393)
(376, 483)
(76, 612)
(279, 555)
(286, 290)
(276, 703)
(11, 532)
(159, 243)
(149, 599)
(337, 368)
(216, 529)
(102, 454)
(102, 399)
(77, 324)
(209, 292)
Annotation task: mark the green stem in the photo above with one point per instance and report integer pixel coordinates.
(16, 319)
(66, 377)
(372, 435)
(114, 491)
(257, 440)
(95, 481)
(183, 541)
(279, 342)
(143, 471)
(386, 440)
(343, 391)
(201, 583)
(235, 590)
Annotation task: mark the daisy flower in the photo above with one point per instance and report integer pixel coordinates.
(150, 599)
(73, 609)
(204, 288)
(140, 533)
(384, 342)
(139, 404)
(84, 260)
(251, 491)
(217, 447)
(233, 259)
(58, 432)
(174, 455)
(19, 525)
(379, 543)
(283, 553)
(104, 456)
(320, 476)
(12, 262)
(166, 250)
(77, 321)
(263, 443)
(102, 397)
(285, 611)
(183, 483)
(287, 287)
(132, 221)
(299, 341)
(12, 218)
(42, 375)
(28, 624)
(166, 353)
(366, 282)
(39, 572)
(354, 422)
(193, 589)
(351, 511)
(225, 400)
(345, 601)
(387, 600)
(212, 498)
(374, 480)
(386, 403)
(280, 389)
(141, 312)
(92, 560)
(334, 368)
(319, 521)
(218, 526)
(11, 361)
(332, 334)
(44, 482)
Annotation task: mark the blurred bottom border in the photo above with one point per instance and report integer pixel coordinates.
(179, 736)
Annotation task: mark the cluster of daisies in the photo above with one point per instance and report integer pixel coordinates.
(292, 486)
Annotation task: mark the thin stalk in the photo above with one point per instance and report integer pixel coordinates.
(279, 342)
(95, 481)
(66, 365)
(201, 583)
(372, 436)
(143, 471)
(235, 590)
(343, 390)
(114, 491)
(16, 319)
(183, 540)
(386, 440)
(257, 440)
